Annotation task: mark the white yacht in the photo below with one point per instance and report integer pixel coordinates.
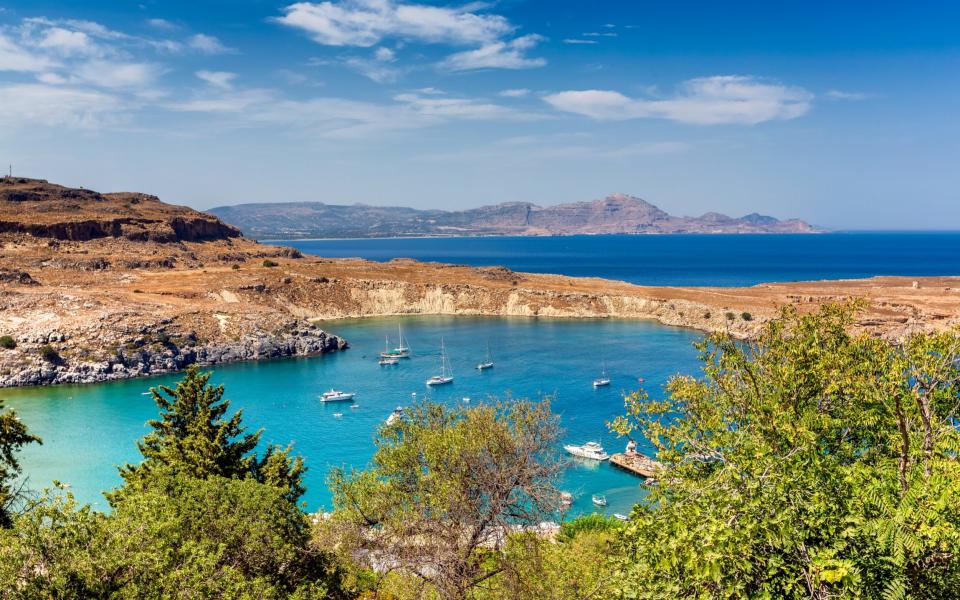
(603, 380)
(487, 363)
(621, 517)
(336, 396)
(446, 375)
(599, 500)
(591, 450)
(395, 416)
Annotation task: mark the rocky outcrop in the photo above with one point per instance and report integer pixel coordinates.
(26, 366)
(617, 213)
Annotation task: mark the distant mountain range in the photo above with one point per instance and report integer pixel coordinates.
(617, 213)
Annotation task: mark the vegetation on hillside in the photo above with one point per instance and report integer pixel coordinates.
(810, 463)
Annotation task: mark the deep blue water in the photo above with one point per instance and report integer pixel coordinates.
(697, 260)
(88, 430)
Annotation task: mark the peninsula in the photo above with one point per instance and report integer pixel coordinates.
(617, 213)
(96, 287)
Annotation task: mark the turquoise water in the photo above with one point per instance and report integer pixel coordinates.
(88, 430)
(699, 260)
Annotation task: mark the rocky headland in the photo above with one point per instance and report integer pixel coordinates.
(79, 307)
(616, 213)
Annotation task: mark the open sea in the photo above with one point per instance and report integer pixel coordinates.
(88, 430)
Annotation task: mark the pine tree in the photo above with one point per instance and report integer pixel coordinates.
(196, 437)
(13, 436)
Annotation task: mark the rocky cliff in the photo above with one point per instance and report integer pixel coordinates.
(616, 214)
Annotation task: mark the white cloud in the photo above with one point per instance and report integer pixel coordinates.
(15, 58)
(110, 74)
(374, 70)
(67, 42)
(704, 101)
(497, 55)
(51, 78)
(161, 24)
(220, 79)
(599, 34)
(208, 44)
(366, 22)
(56, 106)
(576, 41)
(515, 93)
(840, 95)
(232, 102)
(385, 55)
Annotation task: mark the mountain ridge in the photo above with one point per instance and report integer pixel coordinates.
(617, 213)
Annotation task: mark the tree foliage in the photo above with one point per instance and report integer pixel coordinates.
(14, 435)
(196, 437)
(446, 488)
(810, 464)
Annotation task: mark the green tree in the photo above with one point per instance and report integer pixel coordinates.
(195, 437)
(811, 463)
(446, 488)
(14, 435)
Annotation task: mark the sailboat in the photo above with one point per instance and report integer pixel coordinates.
(445, 376)
(603, 380)
(402, 350)
(386, 357)
(487, 362)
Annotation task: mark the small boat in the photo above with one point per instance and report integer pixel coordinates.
(337, 415)
(599, 500)
(603, 380)
(395, 416)
(388, 357)
(641, 380)
(621, 517)
(336, 396)
(445, 376)
(353, 406)
(466, 400)
(591, 450)
(487, 362)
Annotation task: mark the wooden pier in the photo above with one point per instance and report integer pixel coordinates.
(636, 463)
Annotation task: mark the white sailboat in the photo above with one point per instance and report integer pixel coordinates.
(446, 375)
(487, 362)
(386, 357)
(603, 380)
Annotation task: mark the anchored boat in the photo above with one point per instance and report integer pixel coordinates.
(591, 450)
(336, 396)
(446, 375)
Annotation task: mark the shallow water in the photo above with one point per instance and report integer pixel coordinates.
(88, 430)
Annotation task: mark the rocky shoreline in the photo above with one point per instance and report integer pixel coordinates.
(159, 357)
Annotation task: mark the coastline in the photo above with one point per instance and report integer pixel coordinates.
(123, 323)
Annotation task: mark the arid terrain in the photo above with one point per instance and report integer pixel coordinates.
(96, 287)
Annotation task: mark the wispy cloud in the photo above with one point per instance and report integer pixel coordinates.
(599, 34)
(579, 41)
(841, 95)
(208, 44)
(705, 101)
(367, 22)
(219, 79)
(55, 106)
(515, 93)
(13, 57)
(497, 55)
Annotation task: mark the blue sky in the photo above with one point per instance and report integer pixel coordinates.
(841, 113)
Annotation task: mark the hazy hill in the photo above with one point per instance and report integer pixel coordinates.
(617, 213)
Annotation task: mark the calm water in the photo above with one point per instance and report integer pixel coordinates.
(87, 430)
(731, 260)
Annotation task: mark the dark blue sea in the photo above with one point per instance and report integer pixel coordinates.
(689, 260)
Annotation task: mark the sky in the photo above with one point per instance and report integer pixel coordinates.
(846, 114)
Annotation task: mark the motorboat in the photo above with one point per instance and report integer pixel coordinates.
(591, 450)
(621, 517)
(599, 500)
(336, 396)
(337, 415)
(446, 375)
(395, 416)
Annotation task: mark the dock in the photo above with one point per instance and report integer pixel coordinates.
(636, 463)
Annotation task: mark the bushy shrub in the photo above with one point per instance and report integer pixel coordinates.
(746, 316)
(49, 354)
(269, 263)
(7, 342)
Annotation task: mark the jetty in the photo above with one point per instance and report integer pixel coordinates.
(636, 463)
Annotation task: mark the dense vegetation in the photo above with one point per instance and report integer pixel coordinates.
(811, 463)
